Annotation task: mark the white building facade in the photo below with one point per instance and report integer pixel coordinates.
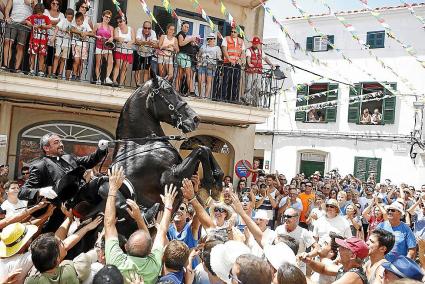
(344, 136)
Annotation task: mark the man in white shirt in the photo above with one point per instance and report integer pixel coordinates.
(331, 222)
(146, 42)
(13, 205)
(290, 220)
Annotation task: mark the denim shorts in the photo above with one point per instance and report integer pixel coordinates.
(205, 70)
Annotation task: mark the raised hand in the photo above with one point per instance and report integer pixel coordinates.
(93, 224)
(116, 178)
(187, 189)
(66, 212)
(196, 182)
(170, 193)
(133, 210)
(236, 204)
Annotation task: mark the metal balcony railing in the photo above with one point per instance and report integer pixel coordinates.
(69, 56)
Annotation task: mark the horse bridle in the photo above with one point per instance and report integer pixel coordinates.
(176, 116)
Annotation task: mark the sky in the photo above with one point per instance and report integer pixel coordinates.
(283, 8)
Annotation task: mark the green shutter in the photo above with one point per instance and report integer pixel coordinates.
(331, 39)
(388, 106)
(302, 90)
(360, 168)
(354, 109)
(309, 44)
(374, 166)
(332, 96)
(370, 40)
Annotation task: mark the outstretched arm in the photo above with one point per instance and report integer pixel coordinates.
(116, 177)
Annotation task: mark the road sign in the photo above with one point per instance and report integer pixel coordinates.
(241, 168)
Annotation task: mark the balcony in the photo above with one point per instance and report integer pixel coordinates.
(81, 89)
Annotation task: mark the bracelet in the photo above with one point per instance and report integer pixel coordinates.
(112, 195)
(169, 208)
(193, 198)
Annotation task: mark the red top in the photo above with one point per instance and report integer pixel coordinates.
(39, 36)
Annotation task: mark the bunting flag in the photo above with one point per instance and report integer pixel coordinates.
(390, 33)
(229, 18)
(413, 13)
(117, 6)
(346, 58)
(149, 13)
(171, 11)
(352, 30)
(204, 16)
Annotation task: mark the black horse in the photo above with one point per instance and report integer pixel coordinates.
(149, 160)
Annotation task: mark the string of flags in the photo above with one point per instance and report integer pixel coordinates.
(204, 15)
(149, 13)
(171, 11)
(352, 30)
(118, 8)
(231, 20)
(412, 11)
(390, 33)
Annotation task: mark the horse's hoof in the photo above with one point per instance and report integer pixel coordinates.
(150, 214)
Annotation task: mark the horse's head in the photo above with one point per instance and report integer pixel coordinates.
(166, 105)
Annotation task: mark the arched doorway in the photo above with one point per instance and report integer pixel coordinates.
(223, 151)
(311, 161)
(78, 138)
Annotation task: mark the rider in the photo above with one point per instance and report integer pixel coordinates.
(47, 172)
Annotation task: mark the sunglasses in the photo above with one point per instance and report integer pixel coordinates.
(107, 17)
(210, 38)
(234, 32)
(55, 3)
(147, 28)
(219, 209)
(84, 7)
(391, 210)
(330, 206)
(25, 173)
(288, 216)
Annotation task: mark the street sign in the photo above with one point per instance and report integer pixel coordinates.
(241, 168)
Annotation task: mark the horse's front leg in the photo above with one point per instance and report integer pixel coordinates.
(189, 166)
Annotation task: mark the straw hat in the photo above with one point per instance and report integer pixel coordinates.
(14, 237)
(226, 207)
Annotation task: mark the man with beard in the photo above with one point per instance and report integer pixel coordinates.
(46, 173)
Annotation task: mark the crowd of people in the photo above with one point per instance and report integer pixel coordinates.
(265, 229)
(61, 46)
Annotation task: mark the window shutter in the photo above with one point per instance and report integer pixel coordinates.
(370, 40)
(374, 166)
(309, 44)
(354, 109)
(302, 90)
(360, 168)
(331, 39)
(388, 106)
(332, 96)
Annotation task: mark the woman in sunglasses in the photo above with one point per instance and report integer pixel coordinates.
(83, 6)
(124, 36)
(104, 37)
(55, 15)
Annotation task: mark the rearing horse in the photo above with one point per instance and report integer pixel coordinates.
(150, 161)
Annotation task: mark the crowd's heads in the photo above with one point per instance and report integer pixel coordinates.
(176, 254)
(380, 241)
(139, 244)
(45, 252)
(250, 269)
(15, 238)
(223, 256)
(402, 267)
(289, 273)
(109, 274)
(395, 210)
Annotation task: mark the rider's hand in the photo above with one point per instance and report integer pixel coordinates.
(47, 192)
(103, 144)
(116, 178)
(170, 193)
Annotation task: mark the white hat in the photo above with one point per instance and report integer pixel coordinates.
(261, 214)
(223, 256)
(396, 206)
(211, 35)
(279, 254)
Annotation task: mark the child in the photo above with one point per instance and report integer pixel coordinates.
(38, 42)
(63, 28)
(80, 32)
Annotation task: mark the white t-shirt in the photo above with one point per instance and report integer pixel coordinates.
(338, 225)
(319, 213)
(10, 264)
(20, 11)
(304, 238)
(60, 18)
(268, 238)
(12, 209)
(145, 51)
(76, 39)
(63, 35)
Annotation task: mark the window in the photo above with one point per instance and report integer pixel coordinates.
(328, 92)
(365, 167)
(375, 112)
(376, 39)
(319, 43)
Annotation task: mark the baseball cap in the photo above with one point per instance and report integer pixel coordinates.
(356, 245)
(396, 206)
(404, 267)
(256, 40)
